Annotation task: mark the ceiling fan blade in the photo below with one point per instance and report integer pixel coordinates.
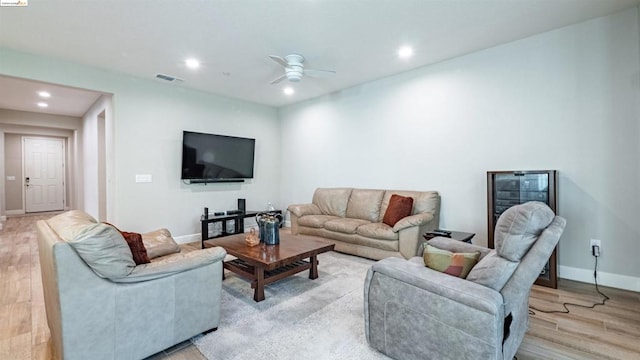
(277, 80)
(279, 60)
(316, 73)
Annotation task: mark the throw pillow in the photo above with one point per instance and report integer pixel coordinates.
(399, 207)
(456, 264)
(159, 243)
(103, 248)
(134, 240)
(492, 271)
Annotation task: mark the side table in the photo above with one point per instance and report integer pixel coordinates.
(455, 235)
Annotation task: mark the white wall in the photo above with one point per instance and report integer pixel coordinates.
(91, 157)
(565, 100)
(148, 120)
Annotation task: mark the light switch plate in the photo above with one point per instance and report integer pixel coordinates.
(143, 178)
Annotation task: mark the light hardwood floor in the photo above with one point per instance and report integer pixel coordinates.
(606, 332)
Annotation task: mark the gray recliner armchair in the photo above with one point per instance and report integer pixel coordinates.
(414, 312)
(101, 305)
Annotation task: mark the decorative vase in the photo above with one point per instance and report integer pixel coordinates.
(269, 225)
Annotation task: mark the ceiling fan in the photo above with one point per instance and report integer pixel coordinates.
(294, 68)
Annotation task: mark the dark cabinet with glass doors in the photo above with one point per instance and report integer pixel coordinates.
(508, 188)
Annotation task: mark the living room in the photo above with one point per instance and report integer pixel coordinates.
(565, 99)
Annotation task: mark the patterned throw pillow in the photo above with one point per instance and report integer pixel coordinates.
(456, 264)
(399, 207)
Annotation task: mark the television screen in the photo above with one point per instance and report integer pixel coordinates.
(216, 157)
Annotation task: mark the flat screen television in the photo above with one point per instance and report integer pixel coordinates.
(211, 157)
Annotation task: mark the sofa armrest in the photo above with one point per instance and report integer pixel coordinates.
(174, 264)
(304, 209)
(413, 220)
(457, 246)
(443, 285)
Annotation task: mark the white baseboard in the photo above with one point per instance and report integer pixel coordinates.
(3, 218)
(15, 212)
(618, 281)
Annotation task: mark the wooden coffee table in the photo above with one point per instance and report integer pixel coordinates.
(264, 264)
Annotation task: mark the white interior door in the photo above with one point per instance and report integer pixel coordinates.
(43, 174)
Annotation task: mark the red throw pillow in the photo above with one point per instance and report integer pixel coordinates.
(399, 207)
(134, 240)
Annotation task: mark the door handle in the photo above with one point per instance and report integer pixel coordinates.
(26, 182)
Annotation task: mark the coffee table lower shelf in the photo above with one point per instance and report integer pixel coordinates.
(247, 271)
(260, 277)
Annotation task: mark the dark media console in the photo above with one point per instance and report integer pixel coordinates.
(238, 216)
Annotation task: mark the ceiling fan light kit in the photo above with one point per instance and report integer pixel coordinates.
(294, 68)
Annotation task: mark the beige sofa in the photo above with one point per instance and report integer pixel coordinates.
(101, 305)
(352, 220)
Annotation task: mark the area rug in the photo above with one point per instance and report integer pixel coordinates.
(300, 318)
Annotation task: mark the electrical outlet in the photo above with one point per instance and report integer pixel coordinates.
(595, 242)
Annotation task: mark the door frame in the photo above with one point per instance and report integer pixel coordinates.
(63, 173)
(73, 179)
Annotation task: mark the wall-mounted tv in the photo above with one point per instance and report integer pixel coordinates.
(216, 158)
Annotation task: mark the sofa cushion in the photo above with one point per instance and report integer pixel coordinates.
(492, 271)
(159, 243)
(365, 204)
(71, 223)
(399, 207)
(315, 221)
(377, 231)
(519, 227)
(347, 226)
(456, 264)
(332, 201)
(103, 248)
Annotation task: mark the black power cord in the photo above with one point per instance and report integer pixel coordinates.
(566, 310)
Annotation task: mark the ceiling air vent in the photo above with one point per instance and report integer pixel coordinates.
(168, 78)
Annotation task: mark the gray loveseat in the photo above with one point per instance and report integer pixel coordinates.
(142, 310)
(413, 312)
(352, 220)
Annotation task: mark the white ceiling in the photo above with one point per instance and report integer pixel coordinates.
(21, 94)
(356, 38)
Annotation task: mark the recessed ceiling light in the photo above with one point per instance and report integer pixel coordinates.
(405, 52)
(288, 91)
(44, 94)
(43, 104)
(192, 63)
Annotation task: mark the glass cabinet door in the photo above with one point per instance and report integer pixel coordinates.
(509, 188)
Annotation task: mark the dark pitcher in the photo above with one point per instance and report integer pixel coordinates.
(269, 225)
